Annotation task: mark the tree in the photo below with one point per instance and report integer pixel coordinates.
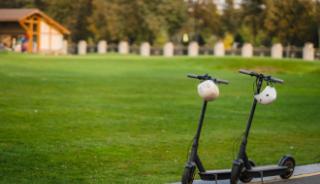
(205, 20)
(290, 21)
(231, 18)
(136, 21)
(174, 14)
(106, 24)
(253, 14)
(316, 15)
(14, 3)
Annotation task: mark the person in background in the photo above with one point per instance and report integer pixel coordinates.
(24, 41)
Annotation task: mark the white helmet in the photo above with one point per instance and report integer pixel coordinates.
(208, 90)
(267, 96)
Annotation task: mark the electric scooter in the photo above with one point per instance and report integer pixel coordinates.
(245, 169)
(194, 161)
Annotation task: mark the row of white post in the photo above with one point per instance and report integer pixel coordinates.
(308, 52)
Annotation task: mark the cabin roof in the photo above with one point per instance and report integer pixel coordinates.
(17, 15)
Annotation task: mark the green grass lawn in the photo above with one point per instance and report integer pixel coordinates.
(129, 119)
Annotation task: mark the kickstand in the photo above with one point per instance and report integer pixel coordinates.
(261, 176)
(216, 178)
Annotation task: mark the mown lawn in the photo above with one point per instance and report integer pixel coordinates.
(129, 119)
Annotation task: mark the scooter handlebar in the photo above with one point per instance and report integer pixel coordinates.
(207, 77)
(263, 76)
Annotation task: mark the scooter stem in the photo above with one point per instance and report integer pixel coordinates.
(242, 152)
(194, 158)
(200, 123)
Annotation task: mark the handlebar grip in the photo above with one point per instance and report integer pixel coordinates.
(220, 81)
(247, 72)
(272, 79)
(193, 76)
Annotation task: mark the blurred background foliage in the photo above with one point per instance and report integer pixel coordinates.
(260, 22)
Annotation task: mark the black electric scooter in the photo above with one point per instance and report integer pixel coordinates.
(194, 161)
(245, 169)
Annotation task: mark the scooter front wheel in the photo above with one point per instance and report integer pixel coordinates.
(289, 162)
(236, 171)
(245, 177)
(188, 174)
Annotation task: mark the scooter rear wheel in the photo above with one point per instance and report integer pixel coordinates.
(290, 163)
(244, 177)
(188, 174)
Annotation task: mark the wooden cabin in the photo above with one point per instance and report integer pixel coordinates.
(31, 30)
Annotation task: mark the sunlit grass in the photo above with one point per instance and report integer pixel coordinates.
(130, 119)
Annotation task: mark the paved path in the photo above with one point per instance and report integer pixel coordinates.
(306, 174)
(303, 180)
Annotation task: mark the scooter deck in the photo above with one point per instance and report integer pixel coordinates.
(215, 174)
(269, 170)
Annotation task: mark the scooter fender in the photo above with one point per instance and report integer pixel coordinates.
(237, 168)
(284, 158)
(188, 173)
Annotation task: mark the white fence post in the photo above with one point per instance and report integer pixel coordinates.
(123, 47)
(308, 52)
(102, 47)
(145, 49)
(247, 50)
(82, 47)
(168, 49)
(193, 49)
(277, 51)
(219, 49)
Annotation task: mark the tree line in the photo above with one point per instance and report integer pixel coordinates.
(260, 22)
